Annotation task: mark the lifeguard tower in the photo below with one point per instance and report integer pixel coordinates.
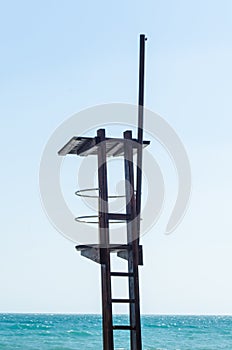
(104, 147)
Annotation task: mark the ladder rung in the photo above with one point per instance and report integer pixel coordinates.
(119, 216)
(124, 327)
(111, 247)
(122, 274)
(123, 300)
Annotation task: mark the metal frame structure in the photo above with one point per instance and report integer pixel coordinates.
(103, 147)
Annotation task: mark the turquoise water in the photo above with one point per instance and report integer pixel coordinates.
(80, 332)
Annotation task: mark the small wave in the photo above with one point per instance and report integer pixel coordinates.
(80, 333)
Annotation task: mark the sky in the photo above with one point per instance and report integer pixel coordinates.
(61, 57)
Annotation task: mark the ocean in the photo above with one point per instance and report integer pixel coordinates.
(83, 332)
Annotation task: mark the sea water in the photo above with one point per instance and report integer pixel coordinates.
(80, 332)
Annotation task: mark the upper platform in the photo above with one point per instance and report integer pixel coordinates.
(85, 146)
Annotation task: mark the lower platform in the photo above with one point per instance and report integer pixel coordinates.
(92, 251)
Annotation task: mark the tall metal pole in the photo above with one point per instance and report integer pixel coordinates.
(140, 128)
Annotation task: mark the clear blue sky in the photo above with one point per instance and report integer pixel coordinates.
(59, 57)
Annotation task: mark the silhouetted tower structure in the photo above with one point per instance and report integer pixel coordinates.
(103, 147)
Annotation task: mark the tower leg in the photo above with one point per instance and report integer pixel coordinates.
(107, 319)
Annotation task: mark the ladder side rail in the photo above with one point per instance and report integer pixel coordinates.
(133, 254)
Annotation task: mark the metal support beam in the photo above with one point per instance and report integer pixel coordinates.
(107, 319)
(133, 254)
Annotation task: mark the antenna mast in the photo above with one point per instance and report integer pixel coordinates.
(140, 126)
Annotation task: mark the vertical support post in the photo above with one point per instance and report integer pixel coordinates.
(133, 252)
(140, 129)
(107, 319)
